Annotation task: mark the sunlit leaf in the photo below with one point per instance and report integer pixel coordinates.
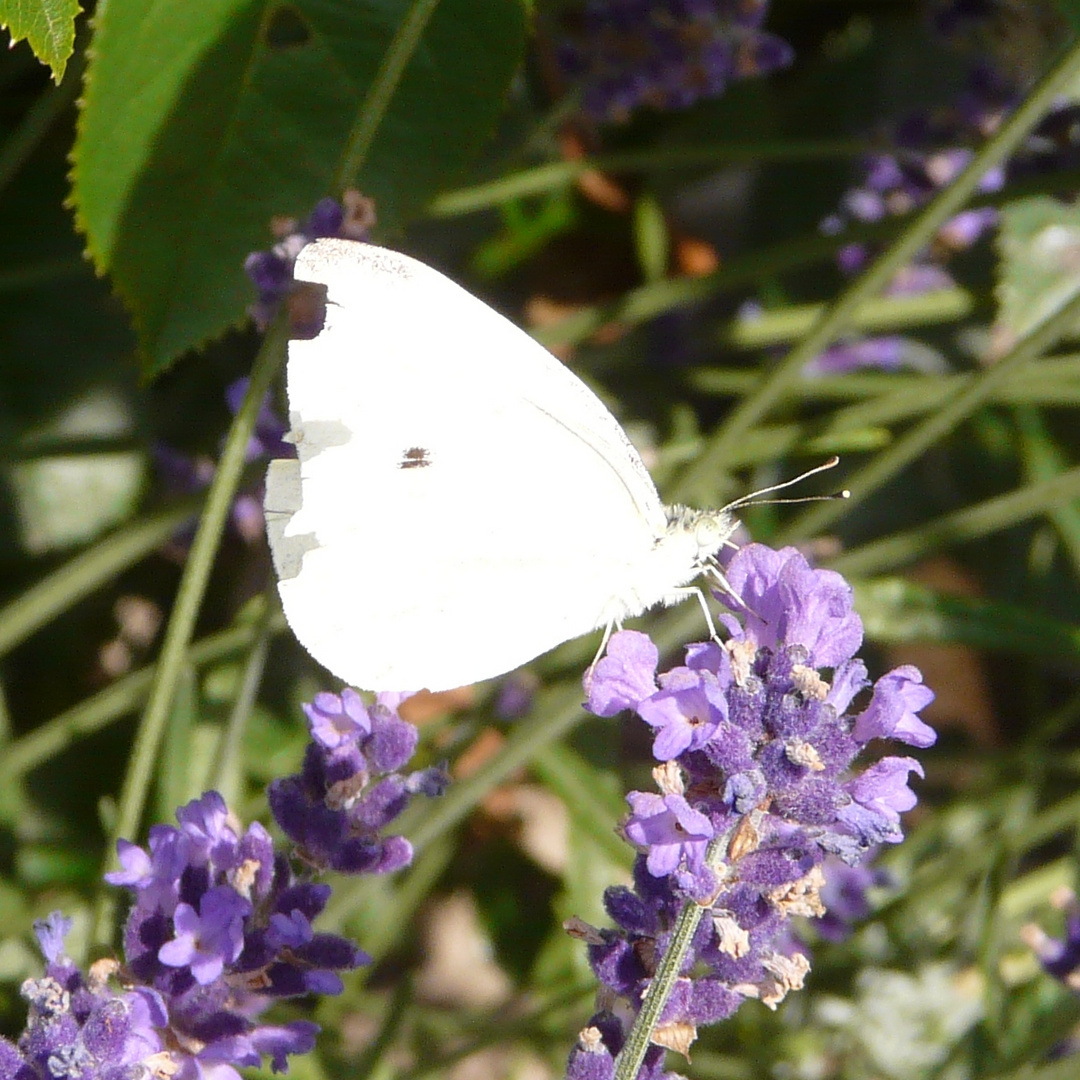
(1039, 267)
(203, 119)
(48, 27)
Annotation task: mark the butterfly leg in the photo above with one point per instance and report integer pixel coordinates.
(677, 595)
(714, 569)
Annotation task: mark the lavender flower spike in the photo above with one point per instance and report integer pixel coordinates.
(757, 801)
(667, 54)
(351, 786)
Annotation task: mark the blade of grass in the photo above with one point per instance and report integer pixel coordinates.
(948, 415)
(1045, 382)
(226, 774)
(1043, 460)
(881, 313)
(551, 176)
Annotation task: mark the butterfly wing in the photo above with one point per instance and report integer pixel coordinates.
(461, 502)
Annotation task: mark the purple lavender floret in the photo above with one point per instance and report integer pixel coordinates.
(351, 786)
(271, 272)
(757, 800)
(1060, 957)
(667, 54)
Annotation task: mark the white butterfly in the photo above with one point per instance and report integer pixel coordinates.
(461, 502)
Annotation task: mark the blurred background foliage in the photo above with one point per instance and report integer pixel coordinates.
(689, 263)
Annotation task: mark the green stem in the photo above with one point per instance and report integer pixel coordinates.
(42, 272)
(559, 174)
(950, 413)
(382, 90)
(371, 1062)
(174, 650)
(838, 316)
(668, 969)
(1043, 460)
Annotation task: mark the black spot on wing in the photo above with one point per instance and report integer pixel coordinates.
(416, 457)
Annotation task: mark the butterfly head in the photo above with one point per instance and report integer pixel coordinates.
(706, 531)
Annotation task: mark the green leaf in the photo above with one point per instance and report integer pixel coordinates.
(894, 610)
(205, 118)
(47, 25)
(1070, 12)
(1039, 268)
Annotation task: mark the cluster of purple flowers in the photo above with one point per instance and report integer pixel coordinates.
(350, 787)
(667, 53)
(755, 797)
(221, 927)
(271, 271)
(930, 150)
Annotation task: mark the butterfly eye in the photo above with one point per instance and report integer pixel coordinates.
(707, 534)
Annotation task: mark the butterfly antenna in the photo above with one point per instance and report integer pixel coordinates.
(755, 496)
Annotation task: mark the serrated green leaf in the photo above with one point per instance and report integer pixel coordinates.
(205, 118)
(48, 27)
(895, 610)
(1039, 264)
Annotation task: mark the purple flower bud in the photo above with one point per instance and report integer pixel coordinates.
(204, 821)
(325, 220)
(296, 1037)
(393, 741)
(50, 933)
